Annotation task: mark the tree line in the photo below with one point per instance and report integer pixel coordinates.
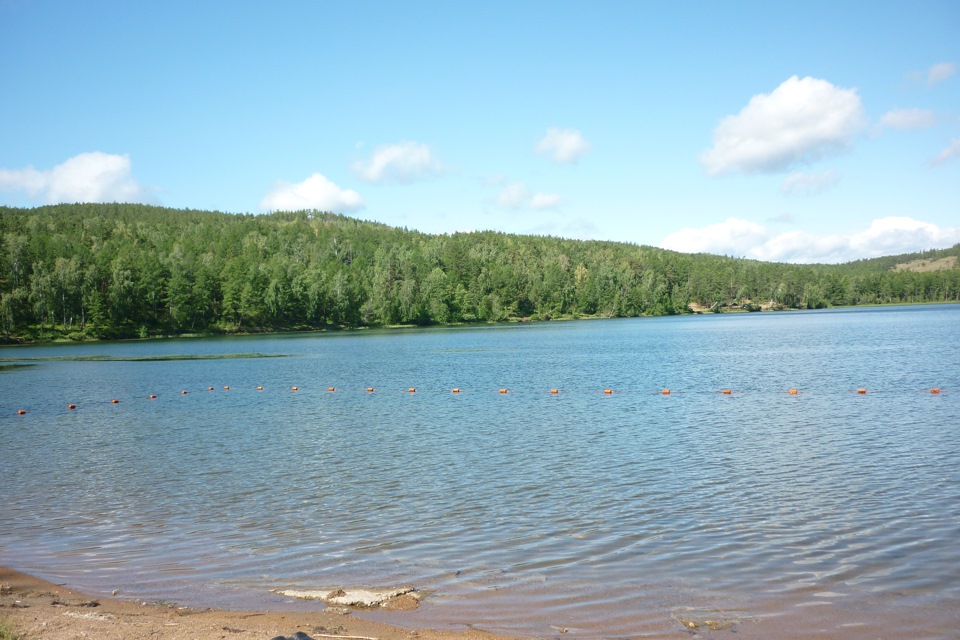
(89, 271)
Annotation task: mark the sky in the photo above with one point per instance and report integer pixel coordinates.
(792, 132)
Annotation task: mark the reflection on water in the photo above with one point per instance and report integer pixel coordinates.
(633, 504)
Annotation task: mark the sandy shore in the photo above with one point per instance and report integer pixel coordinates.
(39, 610)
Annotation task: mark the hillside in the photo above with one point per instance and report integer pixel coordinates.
(924, 264)
(88, 271)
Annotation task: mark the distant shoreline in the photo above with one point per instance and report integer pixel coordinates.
(452, 325)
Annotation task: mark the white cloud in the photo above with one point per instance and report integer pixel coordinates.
(940, 72)
(316, 192)
(734, 236)
(809, 184)
(935, 74)
(949, 152)
(564, 146)
(513, 196)
(801, 121)
(885, 236)
(900, 234)
(86, 177)
(544, 201)
(516, 195)
(406, 161)
(783, 218)
(908, 119)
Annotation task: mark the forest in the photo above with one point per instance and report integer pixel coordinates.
(106, 271)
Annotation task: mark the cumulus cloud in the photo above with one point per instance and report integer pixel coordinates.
(86, 177)
(809, 184)
(563, 146)
(316, 192)
(908, 119)
(801, 121)
(516, 195)
(734, 236)
(406, 161)
(885, 236)
(949, 152)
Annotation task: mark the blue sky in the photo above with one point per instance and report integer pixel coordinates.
(820, 131)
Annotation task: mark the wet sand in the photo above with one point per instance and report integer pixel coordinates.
(41, 610)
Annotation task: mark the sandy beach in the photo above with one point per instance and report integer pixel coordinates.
(40, 610)
(35, 609)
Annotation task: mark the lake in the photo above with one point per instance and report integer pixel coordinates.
(525, 512)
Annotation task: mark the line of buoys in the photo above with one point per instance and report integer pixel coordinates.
(504, 390)
(860, 391)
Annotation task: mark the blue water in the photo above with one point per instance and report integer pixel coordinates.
(527, 510)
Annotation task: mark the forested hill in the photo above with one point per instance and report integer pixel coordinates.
(122, 270)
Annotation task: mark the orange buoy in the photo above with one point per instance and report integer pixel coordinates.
(793, 392)
(455, 390)
(114, 401)
(935, 390)
(331, 388)
(608, 392)
(503, 390)
(412, 390)
(153, 396)
(665, 392)
(727, 392)
(21, 412)
(71, 406)
(861, 391)
(370, 389)
(294, 388)
(554, 391)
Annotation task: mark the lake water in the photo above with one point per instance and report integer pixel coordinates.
(525, 512)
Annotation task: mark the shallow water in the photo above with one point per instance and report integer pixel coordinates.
(524, 512)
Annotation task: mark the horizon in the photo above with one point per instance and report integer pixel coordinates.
(697, 128)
